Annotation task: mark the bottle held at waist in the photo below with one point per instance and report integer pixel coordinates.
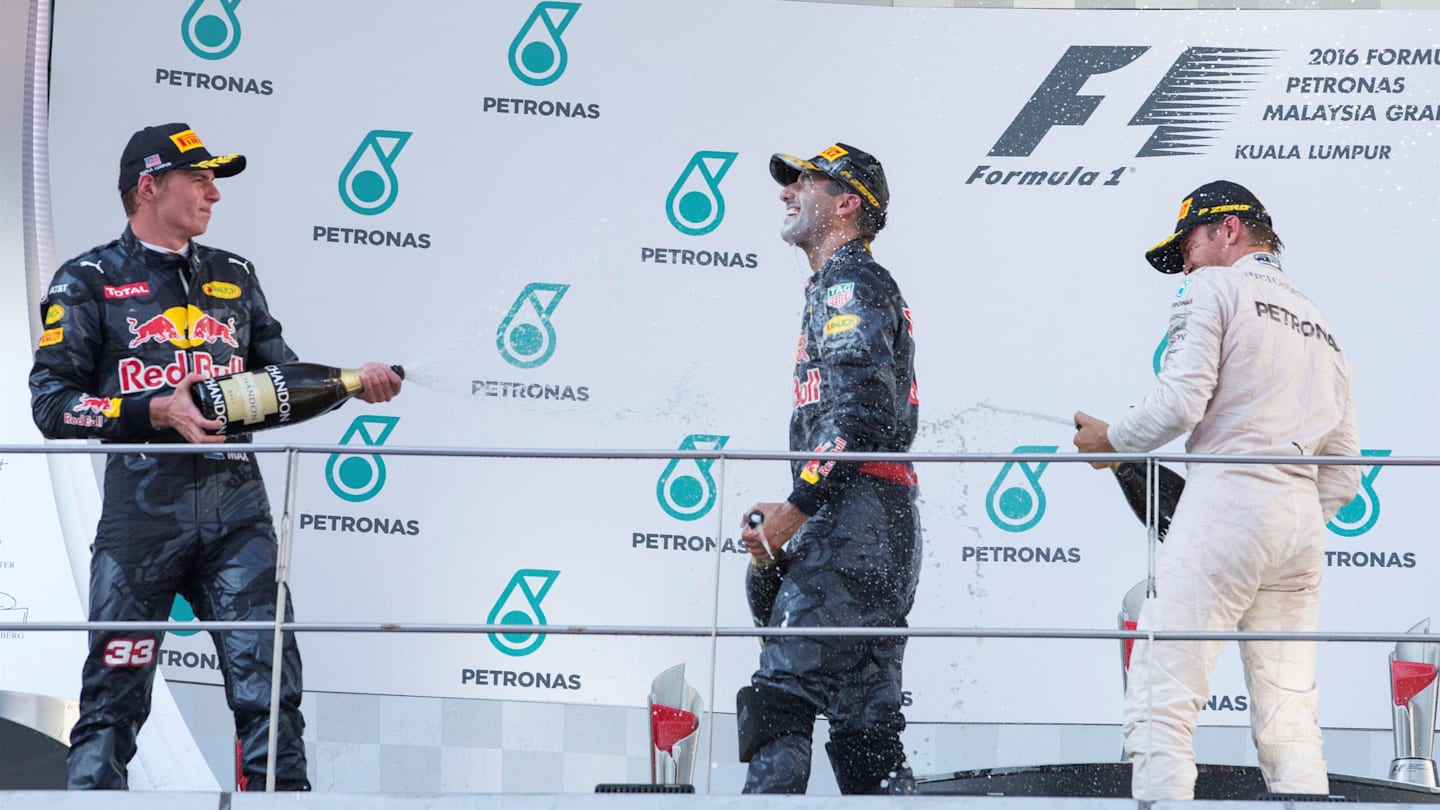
(276, 395)
(1131, 477)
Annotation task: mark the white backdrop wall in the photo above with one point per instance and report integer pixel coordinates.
(558, 217)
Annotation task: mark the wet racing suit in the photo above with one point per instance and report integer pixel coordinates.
(123, 324)
(1253, 368)
(856, 560)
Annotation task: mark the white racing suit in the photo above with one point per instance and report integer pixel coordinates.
(1251, 368)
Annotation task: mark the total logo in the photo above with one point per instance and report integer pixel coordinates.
(211, 31)
(357, 478)
(695, 206)
(1016, 503)
(369, 186)
(526, 339)
(538, 57)
(1186, 111)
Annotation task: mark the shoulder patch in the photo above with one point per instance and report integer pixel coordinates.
(839, 295)
(50, 337)
(54, 314)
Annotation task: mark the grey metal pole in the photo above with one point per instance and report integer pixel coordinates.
(282, 580)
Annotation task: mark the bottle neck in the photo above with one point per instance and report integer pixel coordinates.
(350, 378)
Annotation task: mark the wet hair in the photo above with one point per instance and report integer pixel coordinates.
(866, 220)
(1265, 236)
(128, 200)
(1257, 232)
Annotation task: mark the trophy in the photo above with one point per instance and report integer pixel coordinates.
(675, 709)
(1129, 619)
(1412, 691)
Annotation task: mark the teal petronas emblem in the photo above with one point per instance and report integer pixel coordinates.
(519, 605)
(526, 337)
(695, 205)
(1016, 502)
(537, 54)
(367, 183)
(1360, 514)
(1159, 355)
(210, 28)
(686, 490)
(181, 611)
(357, 478)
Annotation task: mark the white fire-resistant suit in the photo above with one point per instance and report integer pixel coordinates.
(1251, 368)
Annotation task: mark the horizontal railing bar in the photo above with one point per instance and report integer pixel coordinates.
(732, 455)
(732, 632)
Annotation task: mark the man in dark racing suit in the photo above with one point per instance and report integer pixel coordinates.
(855, 555)
(129, 327)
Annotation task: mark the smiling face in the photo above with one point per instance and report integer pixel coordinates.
(810, 205)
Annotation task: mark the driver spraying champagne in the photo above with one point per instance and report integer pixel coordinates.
(1251, 367)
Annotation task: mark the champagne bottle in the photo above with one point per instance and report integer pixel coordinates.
(763, 579)
(1131, 477)
(276, 395)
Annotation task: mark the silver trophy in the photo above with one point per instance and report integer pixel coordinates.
(1129, 619)
(675, 709)
(1412, 691)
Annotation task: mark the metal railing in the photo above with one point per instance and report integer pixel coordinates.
(292, 453)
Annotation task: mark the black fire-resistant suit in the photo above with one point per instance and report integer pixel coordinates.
(124, 324)
(856, 561)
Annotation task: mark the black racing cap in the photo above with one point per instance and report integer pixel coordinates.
(171, 146)
(857, 170)
(1211, 202)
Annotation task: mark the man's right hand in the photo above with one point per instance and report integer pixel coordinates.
(178, 411)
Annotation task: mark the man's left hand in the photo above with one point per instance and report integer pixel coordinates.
(381, 383)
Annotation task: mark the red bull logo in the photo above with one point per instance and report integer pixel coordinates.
(92, 411)
(209, 330)
(807, 391)
(105, 406)
(136, 376)
(186, 327)
(159, 329)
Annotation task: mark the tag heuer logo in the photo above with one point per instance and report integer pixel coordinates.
(840, 295)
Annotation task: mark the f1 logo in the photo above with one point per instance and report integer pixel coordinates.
(1196, 94)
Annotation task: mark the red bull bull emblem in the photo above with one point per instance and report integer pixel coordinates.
(186, 327)
(208, 329)
(92, 411)
(159, 329)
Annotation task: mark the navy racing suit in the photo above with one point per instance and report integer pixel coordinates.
(856, 560)
(124, 324)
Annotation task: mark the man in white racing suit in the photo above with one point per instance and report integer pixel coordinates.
(1252, 367)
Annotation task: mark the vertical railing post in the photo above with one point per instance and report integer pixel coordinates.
(715, 620)
(282, 585)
